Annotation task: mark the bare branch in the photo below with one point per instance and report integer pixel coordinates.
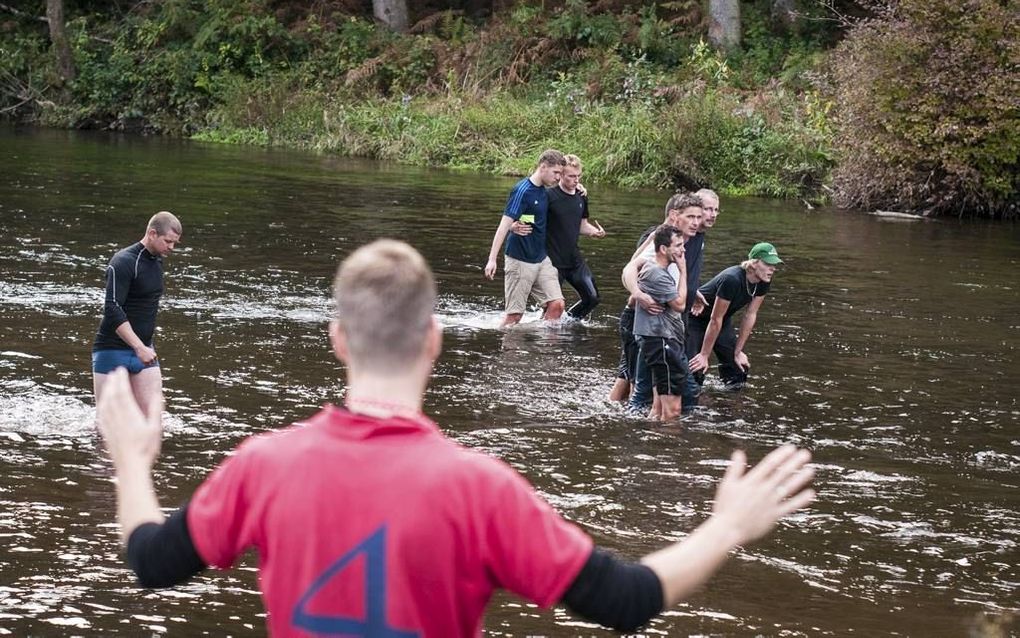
(11, 9)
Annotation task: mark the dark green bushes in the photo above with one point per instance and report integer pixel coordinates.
(769, 146)
(160, 66)
(634, 91)
(928, 109)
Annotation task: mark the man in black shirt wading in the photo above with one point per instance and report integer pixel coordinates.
(134, 285)
(711, 327)
(568, 220)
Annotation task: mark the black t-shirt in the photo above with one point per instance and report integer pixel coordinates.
(731, 285)
(564, 227)
(694, 255)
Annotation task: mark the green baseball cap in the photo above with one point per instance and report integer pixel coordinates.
(765, 252)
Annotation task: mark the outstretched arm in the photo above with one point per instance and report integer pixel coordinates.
(497, 244)
(160, 551)
(625, 595)
(747, 506)
(132, 440)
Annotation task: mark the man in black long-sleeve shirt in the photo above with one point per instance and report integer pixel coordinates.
(435, 527)
(134, 285)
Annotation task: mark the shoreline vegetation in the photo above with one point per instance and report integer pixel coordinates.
(904, 105)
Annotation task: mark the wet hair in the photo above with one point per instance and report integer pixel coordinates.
(552, 157)
(163, 222)
(680, 201)
(573, 161)
(385, 295)
(664, 236)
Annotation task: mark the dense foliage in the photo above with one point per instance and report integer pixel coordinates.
(929, 109)
(630, 85)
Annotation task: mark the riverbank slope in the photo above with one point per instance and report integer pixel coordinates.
(633, 88)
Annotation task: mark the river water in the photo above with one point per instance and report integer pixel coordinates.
(887, 348)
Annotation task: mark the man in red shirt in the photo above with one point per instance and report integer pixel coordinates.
(369, 522)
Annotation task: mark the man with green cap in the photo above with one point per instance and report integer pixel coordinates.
(711, 327)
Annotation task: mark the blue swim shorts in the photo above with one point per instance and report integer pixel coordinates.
(106, 361)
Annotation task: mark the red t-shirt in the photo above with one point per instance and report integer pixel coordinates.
(367, 526)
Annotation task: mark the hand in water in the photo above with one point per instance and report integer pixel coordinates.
(741, 360)
(750, 502)
(130, 436)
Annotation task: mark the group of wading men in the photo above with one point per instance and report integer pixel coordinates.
(670, 326)
(368, 521)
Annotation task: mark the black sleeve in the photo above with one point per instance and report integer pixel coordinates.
(162, 555)
(615, 593)
(118, 282)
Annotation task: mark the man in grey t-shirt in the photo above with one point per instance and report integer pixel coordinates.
(662, 335)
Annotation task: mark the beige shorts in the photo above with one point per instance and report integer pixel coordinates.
(541, 281)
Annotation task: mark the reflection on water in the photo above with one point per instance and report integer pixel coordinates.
(888, 349)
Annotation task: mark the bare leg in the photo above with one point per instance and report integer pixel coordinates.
(656, 412)
(670, 404)
(147, 386)
(554, 310)
(512, 319)
(621, 390)
(97, 384)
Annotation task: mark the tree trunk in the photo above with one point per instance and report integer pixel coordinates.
(724, 24)
(58, 36)
(392, 13)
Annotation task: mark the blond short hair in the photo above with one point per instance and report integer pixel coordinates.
(163, 222)
(573, 161)
(385, 295)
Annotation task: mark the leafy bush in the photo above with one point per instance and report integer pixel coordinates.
(732, 145)
(927, 111)
(26, 70)
(633, 90)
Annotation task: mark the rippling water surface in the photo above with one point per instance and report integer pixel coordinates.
(889, 349)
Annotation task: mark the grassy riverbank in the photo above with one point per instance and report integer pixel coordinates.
(703, 138)
(631, 87)
(638, 94)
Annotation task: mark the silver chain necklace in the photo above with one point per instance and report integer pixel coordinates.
(747, 286)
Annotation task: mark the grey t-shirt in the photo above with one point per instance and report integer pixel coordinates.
(658, 283)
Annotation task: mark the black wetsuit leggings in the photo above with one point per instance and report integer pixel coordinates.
(725, 348)
(581, 280)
